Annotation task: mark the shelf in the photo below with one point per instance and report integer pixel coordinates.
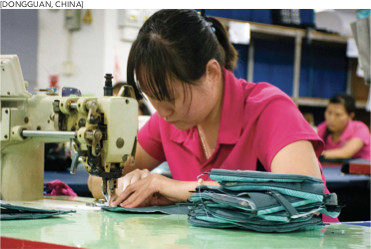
(277, 30)
(319, 102)
(316, 102)
(300, 36)
(324, 37)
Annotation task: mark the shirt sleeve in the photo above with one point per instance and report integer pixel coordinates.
(321, 129)
(361, 131)
(279, 124)
(149, 137)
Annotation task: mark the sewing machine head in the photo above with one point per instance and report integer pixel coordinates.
(102, 131)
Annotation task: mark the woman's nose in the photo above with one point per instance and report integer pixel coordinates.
(164, 112)
(162, 109)
(331, 118)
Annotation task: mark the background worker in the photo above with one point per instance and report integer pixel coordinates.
(343, 136)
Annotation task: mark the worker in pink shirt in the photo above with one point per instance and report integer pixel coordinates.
(206, 118)
(343, 136)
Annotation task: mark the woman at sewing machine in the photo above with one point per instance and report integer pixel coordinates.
(206, 118)
(343, 136)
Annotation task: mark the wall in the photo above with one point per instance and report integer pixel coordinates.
(19, 36)
(87, 51)
(40, 40)
(96, 49)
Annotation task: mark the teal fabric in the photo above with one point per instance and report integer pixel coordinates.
(258, 176)
(179, 208)
(261, 201)
(13, 212)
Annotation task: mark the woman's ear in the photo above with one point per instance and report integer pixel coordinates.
(352, 115)
(213, 71)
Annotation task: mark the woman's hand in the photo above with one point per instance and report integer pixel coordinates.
(140, 188)
(130, 178)
(324, 154)
(153, 190)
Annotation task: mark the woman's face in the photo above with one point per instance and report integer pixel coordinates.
(190, 106)
(336, 117)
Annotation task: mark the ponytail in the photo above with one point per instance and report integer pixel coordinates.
(229, 55)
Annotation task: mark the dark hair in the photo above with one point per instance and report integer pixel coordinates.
(349, 104)
(176, 45)
(142, 106)
(346, 100)
(118, 86)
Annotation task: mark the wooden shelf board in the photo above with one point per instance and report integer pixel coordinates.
(319, 102)
(278, 30)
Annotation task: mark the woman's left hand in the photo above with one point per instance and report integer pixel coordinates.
(144, 192)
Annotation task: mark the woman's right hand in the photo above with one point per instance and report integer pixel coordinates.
(95, 183)
(143, 190)
(130, 178)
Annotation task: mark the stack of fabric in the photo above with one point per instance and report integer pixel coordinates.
(12, 212)
(262, 201)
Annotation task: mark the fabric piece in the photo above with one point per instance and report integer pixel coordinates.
(354, 129)
(179, 208)
(12, 212)
(58, 187)
(248, 123)
(262, 201)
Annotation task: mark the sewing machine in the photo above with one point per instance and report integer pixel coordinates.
(102, 132)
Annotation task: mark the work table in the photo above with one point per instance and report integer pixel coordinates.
(92, 228)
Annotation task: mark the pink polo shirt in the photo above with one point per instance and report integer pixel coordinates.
(257, 120)
(354, 129)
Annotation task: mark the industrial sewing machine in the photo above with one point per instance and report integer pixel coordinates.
(102, 132)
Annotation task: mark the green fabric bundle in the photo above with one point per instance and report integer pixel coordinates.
(262, 201)
(10, 211)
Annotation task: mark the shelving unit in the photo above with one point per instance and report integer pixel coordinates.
(318, 102)
(268, 31)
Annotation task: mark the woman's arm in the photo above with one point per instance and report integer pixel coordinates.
(297, 158)
(156, 190)
(347, 151)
